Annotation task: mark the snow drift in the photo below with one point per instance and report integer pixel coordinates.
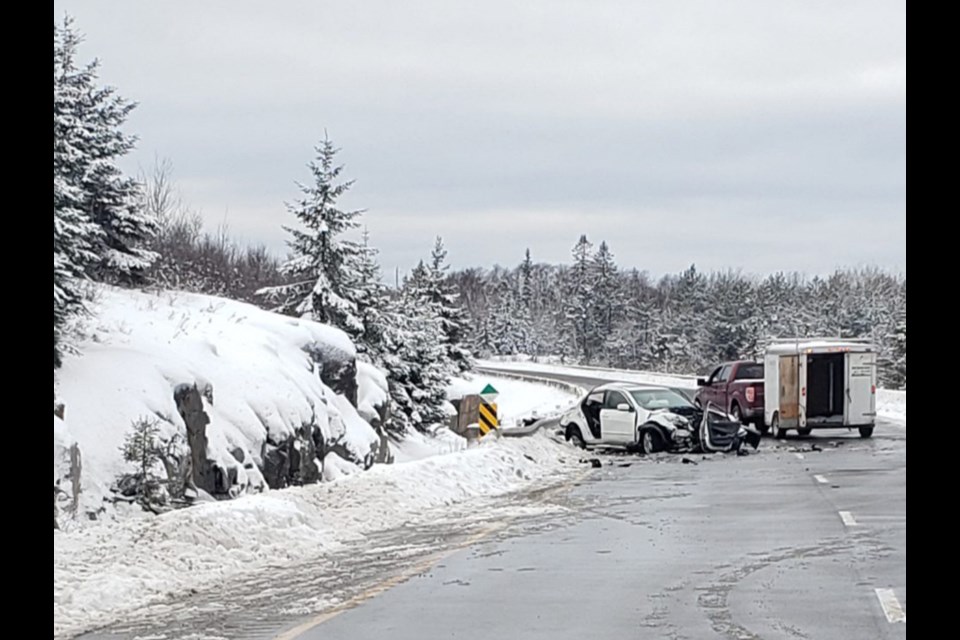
(109, 570)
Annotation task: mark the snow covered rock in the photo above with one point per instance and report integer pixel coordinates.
(255, 399)
(373, 405)
(66, 470)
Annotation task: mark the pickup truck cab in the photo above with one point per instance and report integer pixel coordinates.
(738, 388)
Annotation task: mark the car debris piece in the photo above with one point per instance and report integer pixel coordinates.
(686, 460)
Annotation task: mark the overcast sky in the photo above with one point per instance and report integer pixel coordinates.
(761, 136)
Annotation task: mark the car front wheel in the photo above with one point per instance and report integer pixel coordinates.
(575, 437)
(650, 440)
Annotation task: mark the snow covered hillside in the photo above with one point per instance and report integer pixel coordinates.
(260, 376)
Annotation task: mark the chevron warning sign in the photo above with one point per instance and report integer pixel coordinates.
(488, 418)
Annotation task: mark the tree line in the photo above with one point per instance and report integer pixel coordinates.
(590, 311)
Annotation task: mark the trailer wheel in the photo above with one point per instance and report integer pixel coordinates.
(775, 429)
(866, 432)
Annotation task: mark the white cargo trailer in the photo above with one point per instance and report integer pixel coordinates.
(820, 383)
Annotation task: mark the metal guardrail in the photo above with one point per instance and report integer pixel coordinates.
(685, 376)
(520, 375)
(519, 432)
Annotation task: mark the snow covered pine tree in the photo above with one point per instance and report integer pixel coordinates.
(322, 262)
(99, 229)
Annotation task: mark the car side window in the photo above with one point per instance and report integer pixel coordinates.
(713, 376)
(595, 398)
(724, 373)
(614, 398)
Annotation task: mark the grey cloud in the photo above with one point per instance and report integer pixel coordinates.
(732, 130)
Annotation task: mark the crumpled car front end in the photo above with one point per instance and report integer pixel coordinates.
(677, 429)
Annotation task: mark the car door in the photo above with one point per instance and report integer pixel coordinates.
(720, 398)
(616, 425)
(708, 392)
(592, 407)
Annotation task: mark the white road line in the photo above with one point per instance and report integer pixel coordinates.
(819, 478)
(799, 456)
(891, 606)
(847, 518)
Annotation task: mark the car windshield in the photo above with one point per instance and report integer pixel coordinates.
(653, 399)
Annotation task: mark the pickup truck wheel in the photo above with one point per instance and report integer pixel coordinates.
(735, 412)
(775, 429)
(805, 431)
(575, 437)
(866, 432)
(650, 440)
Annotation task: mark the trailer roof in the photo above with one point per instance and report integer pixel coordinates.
(819, 345)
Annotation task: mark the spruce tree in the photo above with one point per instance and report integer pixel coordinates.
(88, 119)
(99, 229)
(608, 305)
(143, 448)
(452, 318)
(372, 303)
(580, 312)
(415, 357)
(322, 262)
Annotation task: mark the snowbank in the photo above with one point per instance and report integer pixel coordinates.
(261, 382)
(892, 405)
(108, 570)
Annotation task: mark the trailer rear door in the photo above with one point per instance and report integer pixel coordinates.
(861, 400)
(789, 391)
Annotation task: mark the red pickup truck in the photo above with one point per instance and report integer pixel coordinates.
(737, 387)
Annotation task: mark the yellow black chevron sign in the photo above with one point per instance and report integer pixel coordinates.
(488, 418)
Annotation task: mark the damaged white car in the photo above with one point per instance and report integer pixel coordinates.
(651, 419)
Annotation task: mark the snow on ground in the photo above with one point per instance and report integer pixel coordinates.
(518, 398)
(138, 346)
(108, 570)
(891, 404)
(623, 375)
